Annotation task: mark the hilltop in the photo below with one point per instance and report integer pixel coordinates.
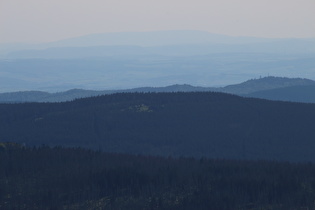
(197, 124)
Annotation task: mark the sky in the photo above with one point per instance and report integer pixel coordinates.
(35, 21)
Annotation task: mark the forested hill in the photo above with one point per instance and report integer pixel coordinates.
(214, 125)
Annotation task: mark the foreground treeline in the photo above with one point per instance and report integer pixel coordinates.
(69, 178)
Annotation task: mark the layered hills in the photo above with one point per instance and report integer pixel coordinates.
(272, 88)
(158, 59)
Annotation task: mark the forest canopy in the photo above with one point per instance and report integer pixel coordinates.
(197, 124)
(74, 178)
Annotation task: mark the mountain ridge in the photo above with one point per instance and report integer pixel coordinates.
(169, 38)
(72, 52)
(249, 88)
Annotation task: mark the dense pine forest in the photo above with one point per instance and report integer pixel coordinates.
(74, 178)
(196, 124)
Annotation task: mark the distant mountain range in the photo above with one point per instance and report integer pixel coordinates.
(160, 58)
(155, 43)
(287, 46)
(272, 88)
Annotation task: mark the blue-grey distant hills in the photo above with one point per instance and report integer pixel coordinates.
(40, 96)
(272, 88)
(283, 46)
(266, 83)
(303, 94)
(127, 60)
(290, 46)
(125, 72)
(155, 43)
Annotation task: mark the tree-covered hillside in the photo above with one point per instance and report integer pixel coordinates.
(213, 125)
(60, 178)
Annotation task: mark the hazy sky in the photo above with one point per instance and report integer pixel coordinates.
(50, 20)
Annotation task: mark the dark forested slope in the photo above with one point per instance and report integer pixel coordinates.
(180, 124)
(60, 178)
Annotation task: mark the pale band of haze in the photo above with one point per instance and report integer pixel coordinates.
(34, 21)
